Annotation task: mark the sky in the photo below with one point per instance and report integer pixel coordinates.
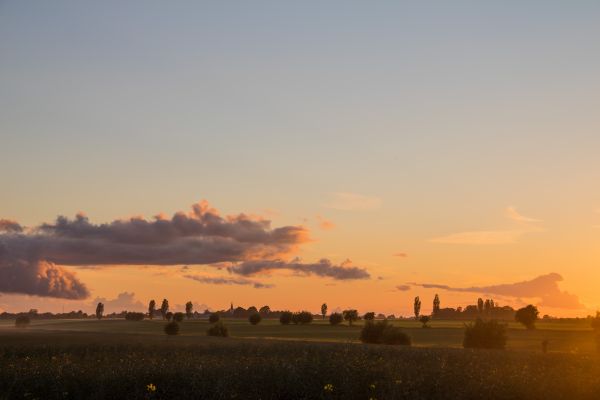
(353, 153)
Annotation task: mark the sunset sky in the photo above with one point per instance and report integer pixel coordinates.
(419, 148)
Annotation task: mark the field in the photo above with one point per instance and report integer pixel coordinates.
(119, 359)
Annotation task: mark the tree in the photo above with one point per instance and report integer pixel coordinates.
(218, 329)
(487, 306)
(424, 320)
(527, 316)
(151, 309)
(480, 305)
(324, 310)
(254, 318)
(383, 332)
(99, 310)
(285, 318)
(134, 316)
(417, 307)
(265, 310)
(169, 316)
(350, 316)
(302, 317)
(189, 309)
(164, 308)
(436, 305)
(251, 310)
(335, 318)
(370, 316)
(178, 317)
(172, 328)
(214, 317)
(485, 335)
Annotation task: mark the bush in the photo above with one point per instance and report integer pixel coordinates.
(383, 332)
(22, 321)
(218, 329)
(527, 316)
(169, 316)
(370, 316)
(172, 328)
(485, 335)
(350, 316)
(424, 319)
(213, 318)
(336, 319)
(178, 317)
(134, 316)
(254, 318)
(302, 317)
(285, 318)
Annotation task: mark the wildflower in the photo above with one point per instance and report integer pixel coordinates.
(328, 388)
(372, 386)
(151, 387)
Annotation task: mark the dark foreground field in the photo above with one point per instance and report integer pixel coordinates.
(74, 365)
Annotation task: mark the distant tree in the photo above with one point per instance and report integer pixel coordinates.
(169, 316)
(527, 316)
(350, 316)
(485, 335)
(172, 328)
(595, 323)
(189, 309)
(164, 308)
(302, 317)
(134, 316)
(480, 305)
(492, 305)
(436, 305)
(254, 318)
(335, 318)
(391, 316)
(218, 329)
(424, 319)
(370, 316)
(151, 309)
(383, 332)
(99, 310)
(487, 306)
(214, 317)
(22, 321)
(265, 310)
(251, 310)
(285, 318)
(324, 310)
(417, 307)
(178, 317)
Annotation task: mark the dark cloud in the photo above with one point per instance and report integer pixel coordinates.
(403, 288)
(228, 281)
(544, 287)
(323, 268)
(7, 225)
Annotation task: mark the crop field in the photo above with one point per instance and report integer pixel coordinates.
(72, 359)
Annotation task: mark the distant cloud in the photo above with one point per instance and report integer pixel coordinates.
(123, 302)
(544, 287)
(324, 268)
(29, 258)
(324, 223)
(494, 237)
(401, 255)
(216, 280)
(352, 201)
(403, 288)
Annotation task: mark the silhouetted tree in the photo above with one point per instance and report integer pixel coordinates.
(169, 316)
(178, 317)
(214, 317)
(480, 305)
(134, 316)
(487, 307)
(424, 320)
(485, 335)
(335, 318)
(417, 307)
(251, 310)
(285, 318)
(254, 318)
(302, 317)
(350, 316)
(265, 310)
(164, 308)
(172, 328)
(218, 329)
(189, 309)
(436, 305)
(151, 309)
(99, 310)
(384, 333)
(324, 310)
(370, 316)
(527, 316)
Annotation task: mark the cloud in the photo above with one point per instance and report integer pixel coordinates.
(228, 281)
(401, 255)
(123, 302)
(324, 268)
(324, 223)
(544, 287)
(403, 288)
(493, 237)
(7, 225)
(352, 201)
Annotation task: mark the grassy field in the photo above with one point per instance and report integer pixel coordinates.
(72, 359)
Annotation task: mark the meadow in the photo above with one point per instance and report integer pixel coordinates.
(72, 359)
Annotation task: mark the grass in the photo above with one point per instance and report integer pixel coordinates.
(116, 359)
